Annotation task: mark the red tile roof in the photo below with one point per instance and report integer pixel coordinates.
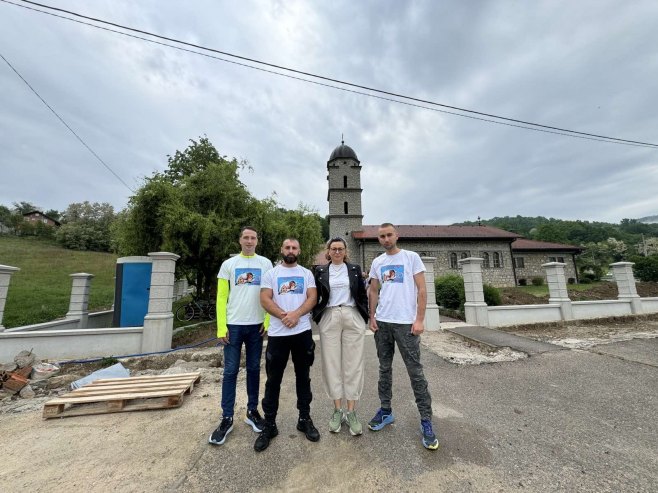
(523, 244)
(408, 232)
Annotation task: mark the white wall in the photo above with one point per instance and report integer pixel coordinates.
(649, 305)
(501, 316)
(68, 344)
(600, 309)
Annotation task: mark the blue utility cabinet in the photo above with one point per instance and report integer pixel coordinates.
(131, 293)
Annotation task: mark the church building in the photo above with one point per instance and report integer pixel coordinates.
(508, 259)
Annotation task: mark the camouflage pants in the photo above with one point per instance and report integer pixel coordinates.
(387, 335)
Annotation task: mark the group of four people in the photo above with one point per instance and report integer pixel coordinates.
(253, 298)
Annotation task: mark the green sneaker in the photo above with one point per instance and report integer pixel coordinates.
(336, 421)
(353, 422)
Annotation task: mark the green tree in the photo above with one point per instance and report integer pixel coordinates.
(24, 207)
(196, 208)
(5, 215)
(86, 226)
(646, 268)
(53, 214)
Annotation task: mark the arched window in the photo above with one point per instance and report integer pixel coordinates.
(345, 207)
(496, 260)
(485, 258)
(344, 181)
(453, 260)
(463, 255)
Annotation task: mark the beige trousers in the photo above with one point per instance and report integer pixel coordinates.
(342, 332)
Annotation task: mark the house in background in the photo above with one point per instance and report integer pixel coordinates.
(40, 217)
(529, 255)
(447, 244)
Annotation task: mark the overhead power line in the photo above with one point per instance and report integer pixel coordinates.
(403, 99)
(66, 124)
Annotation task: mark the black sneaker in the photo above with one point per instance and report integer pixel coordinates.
(305, 425)
(263, 441)
(254, 420)
(218, 436)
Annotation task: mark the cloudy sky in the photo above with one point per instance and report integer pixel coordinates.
(590, 66)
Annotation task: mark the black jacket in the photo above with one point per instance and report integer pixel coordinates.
(357, 290)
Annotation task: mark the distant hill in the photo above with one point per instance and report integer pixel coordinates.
(630, 231)
(649, 220)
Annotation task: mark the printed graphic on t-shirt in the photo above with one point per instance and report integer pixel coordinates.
(290, 285)
(249, 276)
(392, 273)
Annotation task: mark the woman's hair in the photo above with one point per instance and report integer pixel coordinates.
(338, 239)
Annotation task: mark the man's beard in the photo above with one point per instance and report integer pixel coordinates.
(289, 259)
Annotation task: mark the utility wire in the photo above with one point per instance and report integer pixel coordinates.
(66, 124)
(519, 123)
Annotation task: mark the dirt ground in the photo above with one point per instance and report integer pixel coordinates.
(583, 334)
(88, 453)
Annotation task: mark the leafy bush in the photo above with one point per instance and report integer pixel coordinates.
(491, 295)
(585, 280)
(646, 268)
(537, 281)
(523, 282)
(449, 291)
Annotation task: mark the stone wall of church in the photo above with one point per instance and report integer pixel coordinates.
(497, 276)
(532, 264)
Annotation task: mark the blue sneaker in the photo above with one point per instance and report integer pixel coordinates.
(381, 419)
(429, 438)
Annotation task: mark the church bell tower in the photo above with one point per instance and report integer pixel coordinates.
(344, 196)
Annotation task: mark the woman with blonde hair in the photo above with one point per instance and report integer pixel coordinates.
(341, 314)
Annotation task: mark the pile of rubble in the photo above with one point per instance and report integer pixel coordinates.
(27, 377)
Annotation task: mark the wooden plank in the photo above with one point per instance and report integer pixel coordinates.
(179, 376)
(135, 387)
(100, 393)
(129, 405)
(111, 397)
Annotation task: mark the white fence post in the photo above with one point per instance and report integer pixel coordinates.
(475, 308)
(623, 274)
(5, 276)
(432, 319)
(159, 321)
(79, 303)
(557, 288)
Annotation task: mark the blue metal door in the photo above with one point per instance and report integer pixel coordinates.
(135, 293)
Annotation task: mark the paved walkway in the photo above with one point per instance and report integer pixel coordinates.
(559, 421)
(496, 339)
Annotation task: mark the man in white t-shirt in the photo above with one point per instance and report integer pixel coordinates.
(241, 320)
(288, 294)
(397, 314)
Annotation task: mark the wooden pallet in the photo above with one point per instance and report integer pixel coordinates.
(115, 395)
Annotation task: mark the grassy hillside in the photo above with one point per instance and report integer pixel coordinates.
(40, 291)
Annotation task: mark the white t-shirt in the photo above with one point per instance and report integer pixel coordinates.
(398, 296)
(289, 286)
(339, 284)
(244, 276)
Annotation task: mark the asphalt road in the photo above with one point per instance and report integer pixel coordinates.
(565, 421)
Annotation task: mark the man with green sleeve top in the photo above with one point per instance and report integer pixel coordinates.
(241, 320)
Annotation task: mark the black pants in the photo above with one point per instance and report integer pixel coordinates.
(302, 349)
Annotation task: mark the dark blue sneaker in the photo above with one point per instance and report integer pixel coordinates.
(254, 420)
(218, 436)
(381, 419)
(429, 438)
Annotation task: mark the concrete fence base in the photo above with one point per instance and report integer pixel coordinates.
(560, 307)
